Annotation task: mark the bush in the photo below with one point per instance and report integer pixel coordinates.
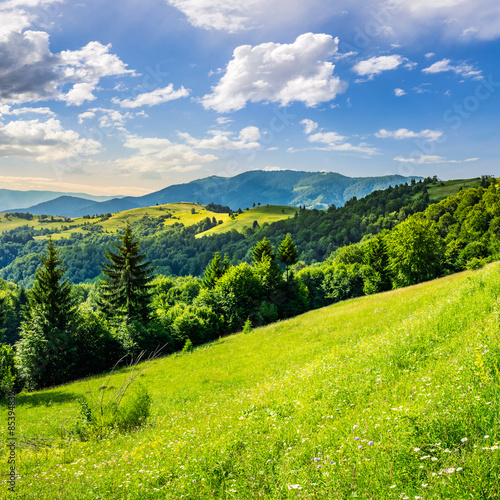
(9, 376)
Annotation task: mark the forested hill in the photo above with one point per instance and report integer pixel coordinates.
(286, 187)
(176, 250)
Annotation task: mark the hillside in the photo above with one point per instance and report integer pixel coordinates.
(168, 214)
(286, 187)
(388, 396)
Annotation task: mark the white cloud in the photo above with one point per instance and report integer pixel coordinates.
(247, 139)
(108, 117)
(29, 71)
(309, 125)
(429, 55)
(281, 73)
(399, 92)
(159, 155)
(376, 65)
(80, 93)
(153, 98)
(237, 15)
(333, 142)
(44, 141)
(404, 133)
(7, 110)
(476, 18)
(431, 159)
(461, 69)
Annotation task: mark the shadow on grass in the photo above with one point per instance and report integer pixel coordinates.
(44, 399)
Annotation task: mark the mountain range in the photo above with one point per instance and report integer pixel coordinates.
(283, 187)
(20, 200)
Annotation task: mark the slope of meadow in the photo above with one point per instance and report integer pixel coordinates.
(382, 397)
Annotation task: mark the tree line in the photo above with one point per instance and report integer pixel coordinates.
(70, 331)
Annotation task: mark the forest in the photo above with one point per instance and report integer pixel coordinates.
(57, 331)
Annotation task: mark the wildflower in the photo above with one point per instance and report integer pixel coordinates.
(354, 426)
(434, 459)
(464, 440)
(356, 439)
(416, 449)
(424, 485)
(486, 437)
(360, 447)
(316, 459)
(294, 486)
(451, 470)
(393, 486)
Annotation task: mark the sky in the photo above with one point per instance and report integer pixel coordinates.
(128, 97)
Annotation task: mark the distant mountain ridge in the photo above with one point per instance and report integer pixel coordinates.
(283, 187)
(20, 200)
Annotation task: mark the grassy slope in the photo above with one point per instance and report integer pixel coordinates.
(269, 214)
(181, 213)
(450, 188)
(277, 413)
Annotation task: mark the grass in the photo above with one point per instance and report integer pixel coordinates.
(269, 214)
(451, 188)
(392, 396)
(181, 212)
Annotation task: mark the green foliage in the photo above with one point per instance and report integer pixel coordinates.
(47, 350)
(475, 264)
(287, 253)
(262, 250)
(188, 346)
(247, 327)
(215, 270)
(416, 252)
(343, 281)
(10, 381)
(126, 289)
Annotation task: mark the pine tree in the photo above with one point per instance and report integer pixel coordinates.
(126, 290)
(49, 293)
(261, 249)
(287, 253)
(46, 349)
(215, 270)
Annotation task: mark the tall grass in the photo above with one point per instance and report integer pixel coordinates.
(393, 396)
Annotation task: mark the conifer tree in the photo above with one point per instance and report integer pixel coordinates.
(126, 290)
(287, 253)
(215, 270)
(46, 349)
(262, 249)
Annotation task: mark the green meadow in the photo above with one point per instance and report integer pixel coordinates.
(180, 213)
(390, 396)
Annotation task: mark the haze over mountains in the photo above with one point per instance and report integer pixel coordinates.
(11, 199)
(284, 187)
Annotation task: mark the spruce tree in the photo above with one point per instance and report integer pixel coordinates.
(46, 351)
(215, 270)
(287, 253)
(126, 290)
(261, 250)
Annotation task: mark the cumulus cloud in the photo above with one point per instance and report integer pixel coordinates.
(247, 139)
(153, 98)
(159, 155)
(281, 73)
(399, 92)
(376, 65)
(404, 133)
(29, 71)
(462, 69)
(431, 159)
(309, 125)
(7, 110)
(43, 141)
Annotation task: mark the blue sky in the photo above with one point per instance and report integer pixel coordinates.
(129, 97)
